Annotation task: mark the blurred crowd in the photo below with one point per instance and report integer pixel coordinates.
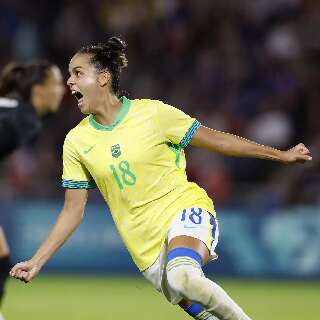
(251, 68)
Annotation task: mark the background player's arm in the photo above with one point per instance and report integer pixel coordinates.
(67, 221)
(232, 145)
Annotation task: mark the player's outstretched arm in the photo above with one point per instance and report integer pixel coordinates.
(232, 145)
(67, 221)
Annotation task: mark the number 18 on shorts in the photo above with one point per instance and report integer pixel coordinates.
(196, 223)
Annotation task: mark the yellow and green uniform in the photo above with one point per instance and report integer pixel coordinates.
(138, 164)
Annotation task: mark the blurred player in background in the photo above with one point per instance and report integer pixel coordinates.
(132, 150)
(27, 92)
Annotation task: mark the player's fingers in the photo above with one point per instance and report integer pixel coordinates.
(307, 157)
(21, 275)
(24, 275)
(14, 270)
(20, 265)
(30, 276)
(300, 148)
(17, 267)
(18, 274)
(27, 277)
(304, 150)
(303, 158)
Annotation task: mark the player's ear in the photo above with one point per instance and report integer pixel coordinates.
(104, 78)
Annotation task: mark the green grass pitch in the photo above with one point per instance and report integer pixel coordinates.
(104, 297)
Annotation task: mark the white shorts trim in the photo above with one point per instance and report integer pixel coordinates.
(192, 222)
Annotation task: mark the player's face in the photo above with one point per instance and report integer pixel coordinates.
(53, 90)
(84, 83)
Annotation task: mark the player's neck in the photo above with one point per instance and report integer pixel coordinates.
(107, 110)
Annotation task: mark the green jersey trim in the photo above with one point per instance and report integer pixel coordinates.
(176, 148)
(124, 109)
(72, 184)
(190, 133)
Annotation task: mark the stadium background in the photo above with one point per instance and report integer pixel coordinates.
(246, 67)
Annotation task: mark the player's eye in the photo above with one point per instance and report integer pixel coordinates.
(78, 73)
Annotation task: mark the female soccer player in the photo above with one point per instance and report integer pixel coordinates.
(132, 150)
(27, 91)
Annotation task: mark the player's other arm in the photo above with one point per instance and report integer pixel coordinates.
(232, 145)
(67, 221)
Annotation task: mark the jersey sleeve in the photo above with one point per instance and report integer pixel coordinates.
(176, 126)
(75, 175)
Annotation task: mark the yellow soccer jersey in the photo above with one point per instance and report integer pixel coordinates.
(138, 164)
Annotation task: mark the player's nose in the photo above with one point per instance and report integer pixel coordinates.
(70, 82)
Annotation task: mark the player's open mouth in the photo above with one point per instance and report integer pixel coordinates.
(79, 96)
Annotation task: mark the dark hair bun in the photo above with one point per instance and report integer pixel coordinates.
(117, 44)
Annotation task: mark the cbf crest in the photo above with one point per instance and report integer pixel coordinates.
(116, 151)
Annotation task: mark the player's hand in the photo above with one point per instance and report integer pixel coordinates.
(299, 153)
(25, 271)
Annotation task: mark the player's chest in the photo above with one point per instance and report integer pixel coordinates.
(107, 152)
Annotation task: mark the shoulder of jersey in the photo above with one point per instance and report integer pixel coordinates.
(145, 103)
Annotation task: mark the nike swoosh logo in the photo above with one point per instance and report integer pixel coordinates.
(88, 150)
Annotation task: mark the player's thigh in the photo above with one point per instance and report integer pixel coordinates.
(192, 243)
(196, 229)
(4, 248)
